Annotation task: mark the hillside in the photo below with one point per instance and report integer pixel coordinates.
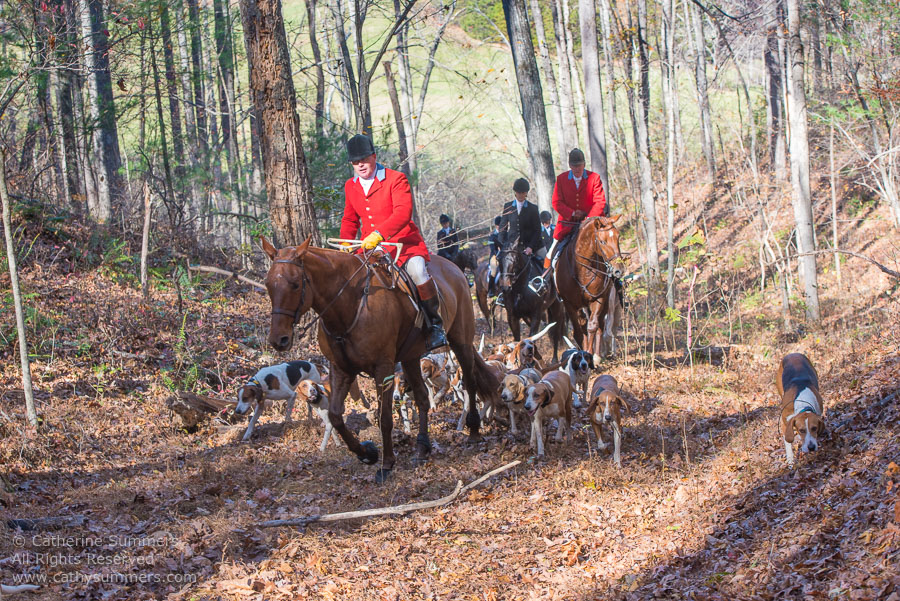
(704, 506)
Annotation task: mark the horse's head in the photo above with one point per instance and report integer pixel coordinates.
(289, 291)
(604, 242)
(509, 266)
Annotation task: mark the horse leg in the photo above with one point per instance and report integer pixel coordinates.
(593, 333)
(465, 353)
(577, 329)
(366, 452)
(513, 321)
(384, 378)
(420, 394)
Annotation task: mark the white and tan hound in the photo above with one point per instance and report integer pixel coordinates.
(802, 407)
(512, 392)
(550, 397)
(606, 408)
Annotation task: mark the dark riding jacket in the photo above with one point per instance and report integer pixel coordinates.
(447, 243)
(524, 227)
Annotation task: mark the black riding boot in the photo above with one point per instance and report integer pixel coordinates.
(435, 337)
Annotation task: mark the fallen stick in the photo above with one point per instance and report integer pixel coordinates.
(50, 523)
(9, 590)
(393, 510)
(229, 274)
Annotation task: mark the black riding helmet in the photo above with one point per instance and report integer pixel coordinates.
(497, 220)
(521, 185)
(444, 218)
(546, 216)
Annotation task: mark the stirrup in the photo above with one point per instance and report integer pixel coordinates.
(537, 284)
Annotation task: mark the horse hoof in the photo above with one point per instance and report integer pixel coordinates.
(423, 448)
(382, 475)
(369, 455)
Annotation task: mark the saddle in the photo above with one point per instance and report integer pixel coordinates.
(400, 280)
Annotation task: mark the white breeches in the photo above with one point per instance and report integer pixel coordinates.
(550, 252)
(415, 267)
(494, 268)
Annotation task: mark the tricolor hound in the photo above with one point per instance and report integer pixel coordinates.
(802, 408)
(277, 382)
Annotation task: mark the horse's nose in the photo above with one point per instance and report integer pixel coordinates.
(617, 273)
(283, 341)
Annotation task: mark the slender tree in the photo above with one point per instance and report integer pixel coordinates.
(550, 78)
(532, 99)
(566, 94)
(801, 198)
(272, 91)
(706, 136)
(593, 91)
(311, 15)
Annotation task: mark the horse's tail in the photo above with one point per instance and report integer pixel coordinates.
(486, 382)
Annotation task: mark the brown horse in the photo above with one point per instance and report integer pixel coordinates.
(585, 280)
(367, 324)
(488, 309)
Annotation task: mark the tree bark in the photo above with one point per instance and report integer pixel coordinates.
(272, 91)
(550, 77)
(105, 142)
(398, 116)
(320, 72)
(172, 207)
(593, 91)
(197, 76)
(532, 99)
(833, 181)
(194, 151)
(407, 106)
(800, 165)
(706, 136)
(774, 106)
(669, 91)
(566, 95)
(17, 296)
(615, 129)
(145, 242)
(577, 88)
(225, 53)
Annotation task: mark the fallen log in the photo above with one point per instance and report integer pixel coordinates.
(48, 523)
(392, 510)
(193, 409)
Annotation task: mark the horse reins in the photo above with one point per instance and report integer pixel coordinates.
(296, 314)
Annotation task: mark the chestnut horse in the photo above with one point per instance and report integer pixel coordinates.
(516, 272)
(585, 280)
(367, 324)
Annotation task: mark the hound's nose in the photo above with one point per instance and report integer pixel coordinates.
(812, 446)
(607, 417)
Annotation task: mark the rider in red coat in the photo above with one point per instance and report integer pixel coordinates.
(578, 194)
(378, 205)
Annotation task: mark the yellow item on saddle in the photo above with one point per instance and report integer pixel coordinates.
(372, 240)
(346, 247)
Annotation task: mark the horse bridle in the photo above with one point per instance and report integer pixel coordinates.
(608, 270)
(295, 314)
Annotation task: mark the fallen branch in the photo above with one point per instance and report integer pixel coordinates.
(888, 271)
(9, 590)
(393, 510)
(50, 523)
(226, 273)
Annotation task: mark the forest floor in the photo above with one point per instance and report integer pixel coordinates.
(704, 506)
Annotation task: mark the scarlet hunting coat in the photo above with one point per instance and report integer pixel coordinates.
(588, 197)
(386, 208)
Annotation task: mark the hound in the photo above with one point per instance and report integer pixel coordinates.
(512, 392)
(577, 364)
(549, 397)
(525, 352)
(487, 408)
(802, 407)
(403, 402)
(606, 407)
(316, 397)
(277, 382)
(436, 373)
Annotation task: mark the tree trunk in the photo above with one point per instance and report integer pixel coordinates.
(669, 91)
(106, 158)
(532, 100)
(566, 95)
(550, 77)
(320, 72)
(172, 207)
(349, 91)
(639, 120)
(195, 202)
(407, 102)
(774, 106)
(197, 77)
(225, 55)
(577, 87)
(17, 296)
(800, 165)
(593, 91)
(272, 92)
(814, 30)
(145, 242)
(706, 136)
(833, 181)
(398, 116)
(615, 129)
(174, 105)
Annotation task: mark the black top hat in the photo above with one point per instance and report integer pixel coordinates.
(545, 216)
(521, 185)
(359, 147)
(444, 218)
(576, 157)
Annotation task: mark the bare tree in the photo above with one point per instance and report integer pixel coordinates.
(800, 165)
(311, 15)
(532, 99)
(706, 136)
(566, 93)
(550, 77)
(593, 91)
(272, 90)
(669, 91)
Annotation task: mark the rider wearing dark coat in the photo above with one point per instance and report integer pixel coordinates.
(447, 239)
(494, 238)
(520, 222)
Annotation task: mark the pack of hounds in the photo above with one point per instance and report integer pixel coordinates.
(531, 390)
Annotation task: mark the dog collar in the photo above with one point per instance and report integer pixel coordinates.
(805, 410)
(254, 382)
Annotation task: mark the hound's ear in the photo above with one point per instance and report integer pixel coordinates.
(591, 361)
(268, 248)
(821, 425)
(623, 403)
(789, 430)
